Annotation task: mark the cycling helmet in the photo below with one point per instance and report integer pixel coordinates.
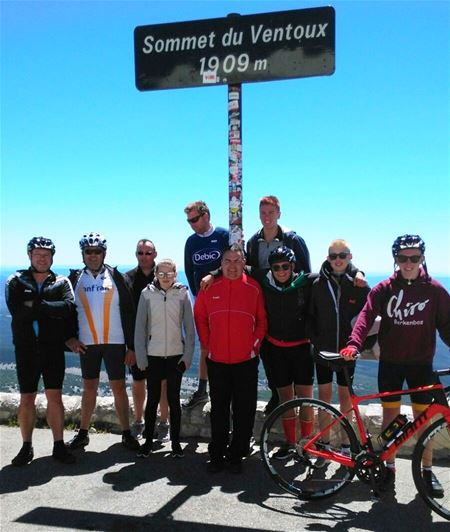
(407, 242)
(93, 240)
(281, 254)
(40, 242)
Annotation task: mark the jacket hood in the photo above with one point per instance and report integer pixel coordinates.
(156, 287)
(326, 271)
(397, 278)
(297, 281)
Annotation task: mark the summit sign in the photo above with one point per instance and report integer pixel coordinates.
(235, 49)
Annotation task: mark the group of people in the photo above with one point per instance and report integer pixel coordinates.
(264, 303)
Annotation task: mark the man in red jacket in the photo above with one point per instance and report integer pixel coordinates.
(231, 323)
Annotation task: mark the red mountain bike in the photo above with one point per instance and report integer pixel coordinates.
(314, 469)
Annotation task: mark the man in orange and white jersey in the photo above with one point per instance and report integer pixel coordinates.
(104, 330)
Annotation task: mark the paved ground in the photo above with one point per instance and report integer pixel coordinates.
(109, 489)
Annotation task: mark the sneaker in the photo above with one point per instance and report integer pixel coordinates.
(177, 451)
(162, 431)
(321, 462)
(345, 450)
(215, 466)
(62, 455)
(388, 482)
(137, 429)
(284, 452)
(145, 450)
(24, 457)
(196, 398)
(78, 441)
(130, 442)
(433, 485)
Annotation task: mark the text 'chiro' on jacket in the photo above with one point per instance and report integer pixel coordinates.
(231, 319)
(164, 324)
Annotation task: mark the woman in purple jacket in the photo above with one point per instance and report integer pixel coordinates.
(412, 307)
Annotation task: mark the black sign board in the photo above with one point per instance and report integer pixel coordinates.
(235, 49)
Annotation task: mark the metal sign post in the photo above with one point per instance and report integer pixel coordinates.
(230, 51)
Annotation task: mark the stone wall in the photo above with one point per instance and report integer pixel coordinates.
(195, 422)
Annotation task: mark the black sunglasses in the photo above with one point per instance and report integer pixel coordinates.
(278, 267)
(334, 256)
(194, 219)
(93, 251)
(404, 258)
(144, 252)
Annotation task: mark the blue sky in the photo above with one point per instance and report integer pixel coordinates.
(362, 154)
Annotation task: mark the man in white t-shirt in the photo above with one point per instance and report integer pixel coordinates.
(104, 331)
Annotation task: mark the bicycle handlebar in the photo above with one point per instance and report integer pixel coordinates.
(330, 356)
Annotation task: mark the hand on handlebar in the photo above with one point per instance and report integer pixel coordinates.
(349, 353)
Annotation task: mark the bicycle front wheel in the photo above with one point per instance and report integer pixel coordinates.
(434, 444)
(292, 467)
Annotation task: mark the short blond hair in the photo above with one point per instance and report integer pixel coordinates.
(339, 242)
(167, 262)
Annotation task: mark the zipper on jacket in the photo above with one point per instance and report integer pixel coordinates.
(165, 323)
(336, 298)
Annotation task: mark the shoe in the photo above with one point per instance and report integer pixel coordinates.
(215, 466)
(271, 405)
(345, 450)
(284, 452)
(145, 450)
(236, 467)
(62, 455)
(137, 429)
(177, 451)
(162, 431)
(321, 462)
(196, 398)
(78, 441)
(24, 457)
(434, 487)
(130, 442)
(388, 482)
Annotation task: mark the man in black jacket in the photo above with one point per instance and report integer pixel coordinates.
(103, 330)
(40, 302)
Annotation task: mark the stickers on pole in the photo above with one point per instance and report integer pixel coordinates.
(235, 165)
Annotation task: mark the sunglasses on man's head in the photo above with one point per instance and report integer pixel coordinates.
(144, 253)
(334, 256)
(194, 219)
(279, 267)
(404, 258)
(93, 251)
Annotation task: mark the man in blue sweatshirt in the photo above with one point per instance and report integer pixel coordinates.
(202, 254)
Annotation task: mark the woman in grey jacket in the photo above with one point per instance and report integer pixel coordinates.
(164, 344)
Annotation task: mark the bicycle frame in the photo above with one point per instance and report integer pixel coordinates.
(438, 406)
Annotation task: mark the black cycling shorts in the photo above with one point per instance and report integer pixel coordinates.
(325, 375)
(391, 377)
(35, 361)
(290, 365)
(113, 356)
